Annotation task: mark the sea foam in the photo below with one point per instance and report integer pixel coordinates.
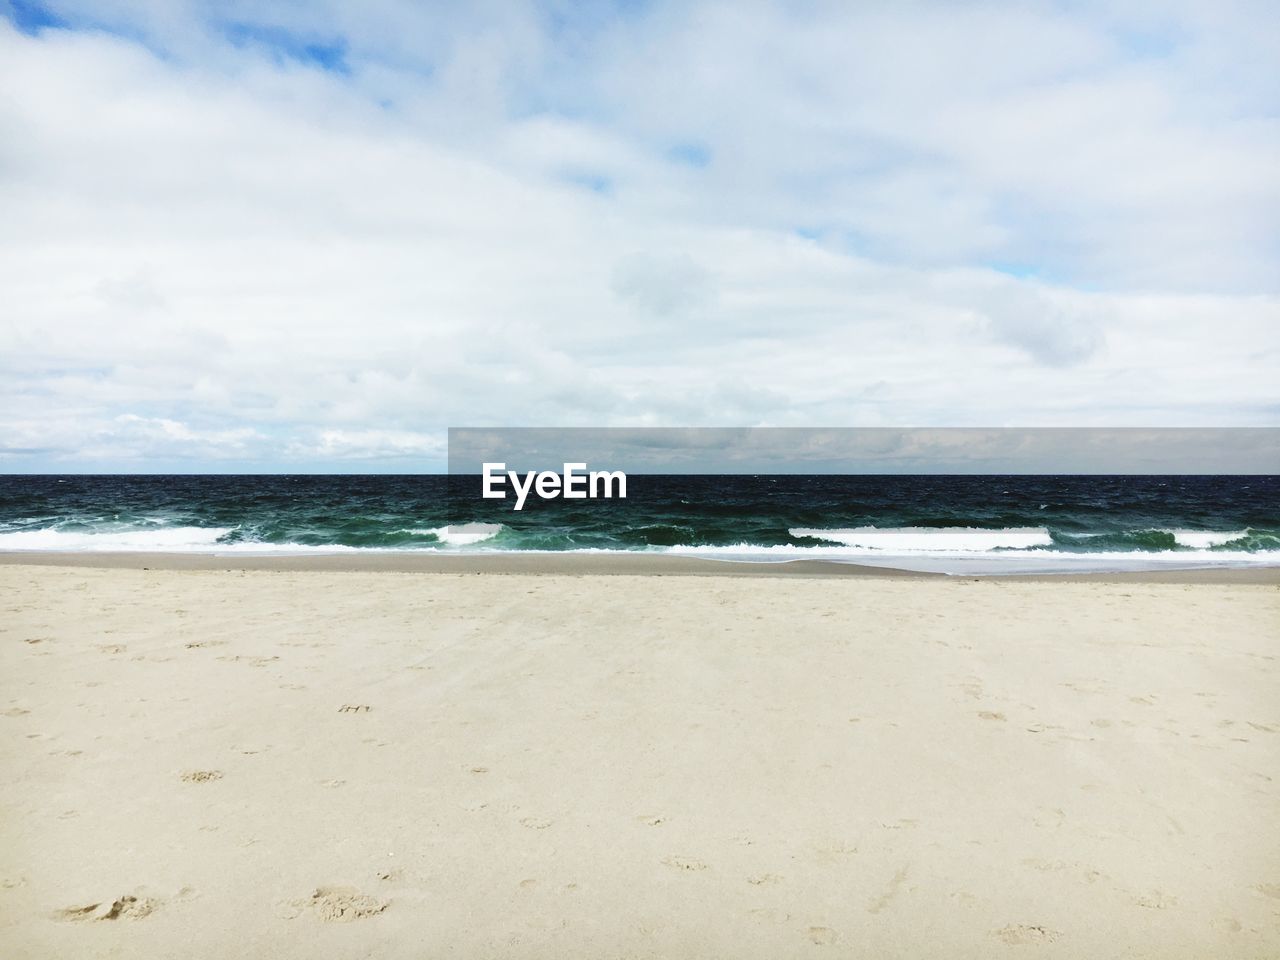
(149, 538)
(1204, 539)
(981, 562)
(463, 534)
(897, 540)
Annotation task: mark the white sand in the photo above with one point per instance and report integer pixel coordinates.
(319, 764)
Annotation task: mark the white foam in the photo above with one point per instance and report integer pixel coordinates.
(1203, 539)
(207, 540)
(167, 540)
(913, 540)
(955, 550)
(985, 562)
(164, 539)
(463, 534)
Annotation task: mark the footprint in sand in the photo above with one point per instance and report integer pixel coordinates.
(16, 712)
(535, 823)
(689, 864)
(251, 660)
(822, 936)
(971, 688)
(762, 879)
(1049, 817)
(1269, 890)
(127, 907)
(1017, 934)
(836, 851)
(201, 776)
(990, 715)
(890, 892)
(1156, 900)
(336, 905)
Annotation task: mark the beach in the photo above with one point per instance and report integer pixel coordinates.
(328, 757)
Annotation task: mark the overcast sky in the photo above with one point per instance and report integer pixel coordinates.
(867, 450)
(312, 236)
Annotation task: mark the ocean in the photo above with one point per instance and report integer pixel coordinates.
(953, 524)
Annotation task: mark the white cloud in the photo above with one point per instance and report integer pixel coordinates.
(369, 444)
(688, 214)
(127, 438)
(662, 285)
(1056, 334)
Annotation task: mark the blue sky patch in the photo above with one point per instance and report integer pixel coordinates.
(691, 154)
(595, 182)
(30, 16)
(328, 55)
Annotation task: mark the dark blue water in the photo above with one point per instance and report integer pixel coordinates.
(1194, 520)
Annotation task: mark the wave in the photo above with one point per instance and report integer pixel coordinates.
(945, 549)
(1202, 539)
(1158, 540)
(462, 534)
(995, 561)
(928, 540)
(114, 537)
(898, 540)
(163, 539)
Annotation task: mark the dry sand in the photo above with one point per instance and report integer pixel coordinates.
(308, 763)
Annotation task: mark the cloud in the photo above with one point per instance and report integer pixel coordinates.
(142, 436)
(871, 450)
(125, 439)
(1051, 333)
(324, 236)
(369, 444)
(661, 285)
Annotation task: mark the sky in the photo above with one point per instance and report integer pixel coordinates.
(292, 236)
(865, 450)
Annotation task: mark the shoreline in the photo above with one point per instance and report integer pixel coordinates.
(564, 564)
